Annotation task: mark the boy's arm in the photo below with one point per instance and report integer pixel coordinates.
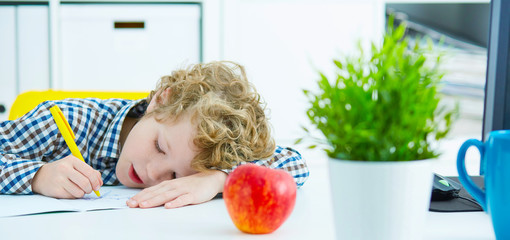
(23, 143)
(202, 187)
(16, 174)
(286, 159)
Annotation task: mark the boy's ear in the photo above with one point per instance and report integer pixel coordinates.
(159, 98)
(163, 97)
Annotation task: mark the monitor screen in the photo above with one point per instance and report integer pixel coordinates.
(496, 114)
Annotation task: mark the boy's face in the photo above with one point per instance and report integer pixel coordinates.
(157, 151)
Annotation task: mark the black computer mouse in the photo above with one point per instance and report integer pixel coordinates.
(444, 188)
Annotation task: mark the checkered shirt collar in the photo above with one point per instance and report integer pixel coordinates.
(110, 147)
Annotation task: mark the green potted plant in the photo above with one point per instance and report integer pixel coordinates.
(380, 117)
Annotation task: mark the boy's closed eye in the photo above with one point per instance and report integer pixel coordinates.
(158, 148)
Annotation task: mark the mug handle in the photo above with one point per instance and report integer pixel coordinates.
(464, 178)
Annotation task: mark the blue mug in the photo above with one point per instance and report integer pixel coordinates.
(495, 165)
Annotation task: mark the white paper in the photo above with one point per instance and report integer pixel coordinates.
(112, 197)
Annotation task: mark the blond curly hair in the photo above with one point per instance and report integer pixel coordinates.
(229, 114)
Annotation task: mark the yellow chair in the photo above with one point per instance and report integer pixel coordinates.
(29, 100)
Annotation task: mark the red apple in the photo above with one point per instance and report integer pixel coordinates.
(259, 199)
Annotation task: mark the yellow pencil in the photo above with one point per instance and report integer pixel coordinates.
(67, 133)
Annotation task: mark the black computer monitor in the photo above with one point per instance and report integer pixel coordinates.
(496, 114)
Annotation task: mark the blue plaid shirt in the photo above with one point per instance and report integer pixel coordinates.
(31, 141)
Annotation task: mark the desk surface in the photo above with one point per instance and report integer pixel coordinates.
(312, 218)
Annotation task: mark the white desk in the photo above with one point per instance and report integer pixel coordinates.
(311, 219)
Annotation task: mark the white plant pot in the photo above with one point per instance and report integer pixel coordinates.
(380, 200)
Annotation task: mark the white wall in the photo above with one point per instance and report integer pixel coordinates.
(283, 44)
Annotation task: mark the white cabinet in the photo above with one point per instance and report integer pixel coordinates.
(7, 58)
(24, 58)
(126, 46)
(33, 48)
(101, 46)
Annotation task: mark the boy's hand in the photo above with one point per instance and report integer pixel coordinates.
(197, 188)
(68, 177)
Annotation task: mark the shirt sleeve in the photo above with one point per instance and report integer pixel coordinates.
(23, 144)
(286, 159)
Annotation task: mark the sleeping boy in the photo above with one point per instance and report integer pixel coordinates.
(179, 143)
